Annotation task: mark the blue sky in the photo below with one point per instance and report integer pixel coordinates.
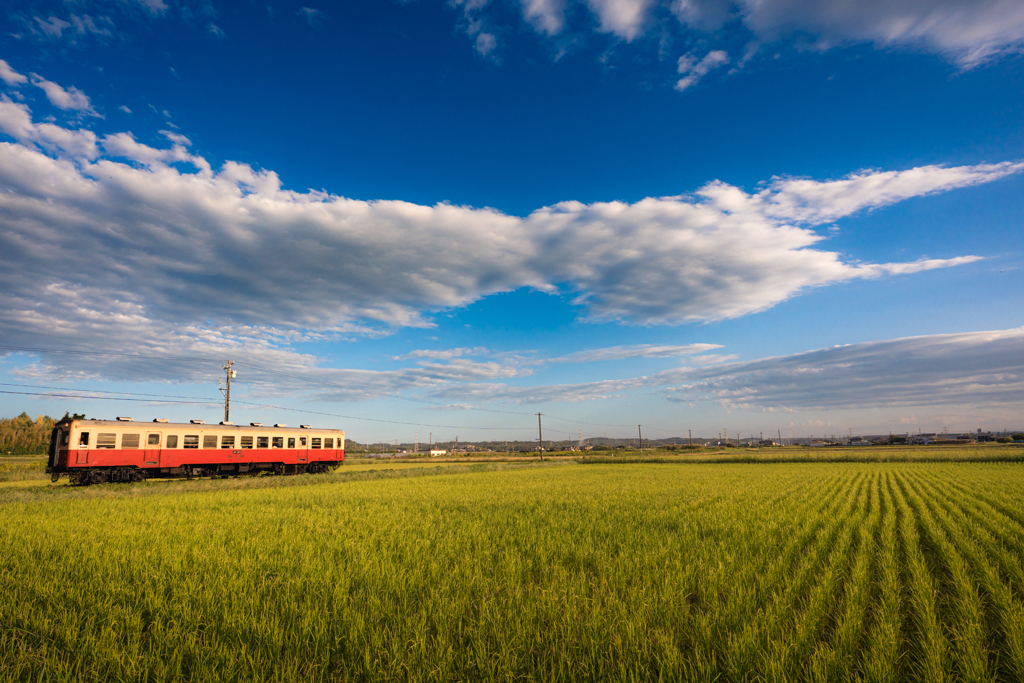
(441, 218)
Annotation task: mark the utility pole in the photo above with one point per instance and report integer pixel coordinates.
(540, 436)
(431, 447)
(780, 436)
(690, 432)
(416, 444)
(641, 435)
(226, 390)
(581, 439)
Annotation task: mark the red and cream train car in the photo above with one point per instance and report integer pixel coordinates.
(97, 451)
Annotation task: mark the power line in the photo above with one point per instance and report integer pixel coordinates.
(314, 380)
(100, 398)
(159, 398)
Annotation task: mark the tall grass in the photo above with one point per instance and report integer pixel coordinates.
(796, 572)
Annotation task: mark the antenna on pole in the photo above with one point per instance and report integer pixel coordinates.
(540, 436)
(225, 388)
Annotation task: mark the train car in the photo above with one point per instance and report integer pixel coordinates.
(122, 450)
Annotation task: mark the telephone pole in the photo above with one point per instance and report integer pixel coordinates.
(226, 390)
(540, 436)
(690, 432)
(640, 434)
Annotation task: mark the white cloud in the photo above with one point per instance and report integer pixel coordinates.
(16, 121)
(693, 70)
(972, 368)
(53, 26)
(70, 99)
(547, 16)
(623, 18)
(101, 26)
(968, 33)
(445, 354)
(161, 246)
(313, 17)
(153, 6)
(10, 76)
(634, 351)
(125, 109)
(485, 43)
(965, 369)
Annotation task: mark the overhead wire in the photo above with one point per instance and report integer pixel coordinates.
(319, 381)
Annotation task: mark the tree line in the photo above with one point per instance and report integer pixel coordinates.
(24, 436)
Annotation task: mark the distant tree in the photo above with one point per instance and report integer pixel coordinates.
(897, 439)
(24, 436)
(76, 416)
(1018, 436)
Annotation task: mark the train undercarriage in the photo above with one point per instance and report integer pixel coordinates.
(104, 475)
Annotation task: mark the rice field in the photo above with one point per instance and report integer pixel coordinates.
(728, 572)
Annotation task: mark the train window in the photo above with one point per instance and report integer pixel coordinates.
(172, 441)
(302, 441)
(227, 442)
(278, 442)
(153, 440)
(291, 442)
(209, 440)
(106, 440)
(191, 441)
(246, 442)
(328, 443)
(83, 439)
(262, 441)
(315, 442)
(64, 436)
(129, 441)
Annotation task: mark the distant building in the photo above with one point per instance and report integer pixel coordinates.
(435, 453)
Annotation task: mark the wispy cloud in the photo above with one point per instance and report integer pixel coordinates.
(67, 99)
(311, 16)
(972, 368)
(634, 351)
(692, 70)
(175, 242)
(10, 76)
(445, 354)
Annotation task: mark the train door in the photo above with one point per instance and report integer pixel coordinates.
(303, 449)
(82, 454)
(154, 442)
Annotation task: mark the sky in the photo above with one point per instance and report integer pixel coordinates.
(428, 220)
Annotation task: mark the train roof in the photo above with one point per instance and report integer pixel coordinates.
(128, 424)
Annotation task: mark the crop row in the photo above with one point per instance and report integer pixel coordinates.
(877, 572)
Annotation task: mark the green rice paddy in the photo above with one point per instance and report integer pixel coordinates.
(634, 571)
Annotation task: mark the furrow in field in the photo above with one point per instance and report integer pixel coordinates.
(978, 547)
(880, 662)
(1011, 518)
(747, 650)
(743, 647)
(930, 645)
(837, 659)
(1004, 543)
(965, 626)
(738, 641)
(813, 619)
